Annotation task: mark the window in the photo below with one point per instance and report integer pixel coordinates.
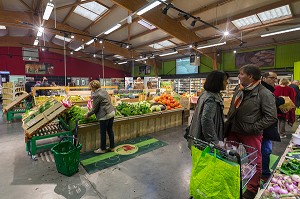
(162, 44)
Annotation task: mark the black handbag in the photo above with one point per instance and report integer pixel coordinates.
(271, 133)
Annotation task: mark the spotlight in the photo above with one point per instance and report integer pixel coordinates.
(72, 36)
(194, 21)
(165, 10)
(101, 41)
(94, 55)
(186, 16)
(71, 52)
(43, 49)
(234, 51)
(95, 39)
(127, 46)
(226, 33)
(190, 46)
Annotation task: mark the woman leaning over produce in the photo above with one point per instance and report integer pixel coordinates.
(105, 113)
(208, 119)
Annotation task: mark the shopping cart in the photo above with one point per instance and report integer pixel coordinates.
(235, 152)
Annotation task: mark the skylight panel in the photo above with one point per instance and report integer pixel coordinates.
(156, 46)
(118, 56)
(146, 24)
(91, 10)
(275, 14)
(247, 22)
(166, 43)
(62, 38)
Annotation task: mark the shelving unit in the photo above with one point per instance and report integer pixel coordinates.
(10, 92)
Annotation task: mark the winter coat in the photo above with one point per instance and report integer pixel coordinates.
(256, 112)
(208, 119)
(101, 104)
(297, 97)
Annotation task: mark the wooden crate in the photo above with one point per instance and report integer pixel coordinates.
(16, 101)
(43, 119)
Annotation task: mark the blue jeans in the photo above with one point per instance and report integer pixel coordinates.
(107, 125)
(266, 150)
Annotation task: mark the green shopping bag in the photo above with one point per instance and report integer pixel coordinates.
(212, 177)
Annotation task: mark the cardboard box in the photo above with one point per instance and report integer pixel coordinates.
(185, 102)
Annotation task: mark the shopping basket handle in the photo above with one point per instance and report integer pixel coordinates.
(67, 136)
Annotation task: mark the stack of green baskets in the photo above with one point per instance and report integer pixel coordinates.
(66, 157)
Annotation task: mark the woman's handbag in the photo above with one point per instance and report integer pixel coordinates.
(271, 133)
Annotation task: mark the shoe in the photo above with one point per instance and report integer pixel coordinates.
(249, 194)
(282, 136)
(111, 149)
(100, 151)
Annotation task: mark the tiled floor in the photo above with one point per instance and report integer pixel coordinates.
(160, 174)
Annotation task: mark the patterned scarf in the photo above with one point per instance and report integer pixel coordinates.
(240, 94)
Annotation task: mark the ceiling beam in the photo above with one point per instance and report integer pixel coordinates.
(69, 13)
(23, 19)
(100, 17)
(163, 22)
(74, 4)
(206, 8)
(248, 13)
(12, 41)
(143, 33)
(38, 7)
(27, 6)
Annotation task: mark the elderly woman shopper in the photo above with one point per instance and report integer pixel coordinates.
(208, 119)
(105, 113)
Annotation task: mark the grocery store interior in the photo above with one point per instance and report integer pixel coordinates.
(152, 57)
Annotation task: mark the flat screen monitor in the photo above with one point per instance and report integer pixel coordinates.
(183, 66)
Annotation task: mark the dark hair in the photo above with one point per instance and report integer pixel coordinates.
(253, 70)
(266, 74)
(214, 81)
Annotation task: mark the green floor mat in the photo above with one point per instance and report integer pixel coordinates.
(124, 151)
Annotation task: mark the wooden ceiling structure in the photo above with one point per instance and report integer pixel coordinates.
(22, 18)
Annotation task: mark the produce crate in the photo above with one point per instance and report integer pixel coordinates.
(42, 119)
(16, 101)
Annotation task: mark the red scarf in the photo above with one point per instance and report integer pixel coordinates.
(240, 94)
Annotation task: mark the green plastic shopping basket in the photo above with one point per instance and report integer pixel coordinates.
(66, 157)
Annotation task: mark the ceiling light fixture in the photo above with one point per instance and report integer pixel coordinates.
(36, 42)
(194, 21)
(48, 10)
(211, 45)
(280, 32)
(165, 10)
(40, 31)
(43, 49)
(112, 29)
(170, 53)
(101, 41)
(234, 51)
(125, 62)
(94, 55)
(72, 36)
(149, 7)
(2, 27)
(226, 33)
(71, 52)
(79, 48)
(89, 42)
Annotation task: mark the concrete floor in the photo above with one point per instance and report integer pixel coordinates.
(161, 174)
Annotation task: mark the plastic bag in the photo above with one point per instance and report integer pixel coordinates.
(212, 177)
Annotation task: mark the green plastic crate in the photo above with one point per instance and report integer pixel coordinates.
(66, 157)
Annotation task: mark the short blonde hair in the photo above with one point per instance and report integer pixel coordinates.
(95, 84)
(284, 81)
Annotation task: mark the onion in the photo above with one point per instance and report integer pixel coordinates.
(271, 189)
(279, 182)
(296, 178)
(295, 183)
(274, 180)
(283, 191)
(276, 189)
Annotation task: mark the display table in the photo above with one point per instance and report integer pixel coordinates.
(130, 127)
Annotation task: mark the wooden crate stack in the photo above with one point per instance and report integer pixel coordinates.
(11, 92)
(42, 119)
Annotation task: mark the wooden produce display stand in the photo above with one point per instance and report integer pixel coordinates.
(41, 126)
(15, 108)
(130, 127)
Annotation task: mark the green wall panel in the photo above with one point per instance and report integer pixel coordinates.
(285, 56)
(297, 77)
(169, 68)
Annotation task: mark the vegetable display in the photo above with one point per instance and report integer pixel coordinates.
(168, 100)
(30, 114)
(78, 113)
(290, 167)
(130, 109)
(283, 186)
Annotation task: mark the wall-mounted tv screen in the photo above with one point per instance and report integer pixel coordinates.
(183, 66)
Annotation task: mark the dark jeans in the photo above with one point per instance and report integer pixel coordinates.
(107, 125)
(266, 150)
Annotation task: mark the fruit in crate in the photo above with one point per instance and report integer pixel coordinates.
(167, 100)
(75, 98)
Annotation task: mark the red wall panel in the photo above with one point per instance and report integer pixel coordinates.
(11, 60)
